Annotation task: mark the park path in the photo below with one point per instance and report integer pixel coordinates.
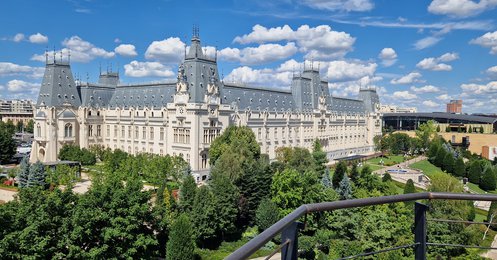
(403, 177)
(7, 195)
(492, 254)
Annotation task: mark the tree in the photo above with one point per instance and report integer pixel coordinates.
(474, 172)
(481, 130)
(448, 162)
(440, 157)
(37, 175)
(448, 129)
(7, 144)
(23, 173)
(72, 152)
(426, 132)
(488, 181)
(187, 192)
(20, 126)
(386, 177)
(325, 180)
(181, 243)
(319, 156)
(266, 215)
(340, 172)
(240, 139)
(459, 167)
(470, 130)
(409, 188)
(225, 198)
(438, 128)
(30, 126)
(204, 216)
(344, 189)
(354, 173)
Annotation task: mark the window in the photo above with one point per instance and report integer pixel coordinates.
(122, 132)
(137, 132)
(38, 130)
(151, 133)
(108, 131)
(99, 130)
(161, 136)
(115, 131)
(129, 132)
(90, 130)
(204, 161)
(144, 133)
(181, 135)
(67, 130)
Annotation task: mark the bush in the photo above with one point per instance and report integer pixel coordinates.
(266, 215)
(386, 177)
(181, 243)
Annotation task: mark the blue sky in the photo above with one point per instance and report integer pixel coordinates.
(415, 52)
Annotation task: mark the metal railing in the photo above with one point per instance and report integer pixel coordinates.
(289, 226)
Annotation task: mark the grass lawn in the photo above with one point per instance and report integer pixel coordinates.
(393, 159)
(8, 187)
(429, 169)
(227, 248)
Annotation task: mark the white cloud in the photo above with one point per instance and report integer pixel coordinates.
(340, 5)
(117, 40)
(319, 42)
(38, 38)
(126, 50)
(147, 69)
(488, 40)
(338, 71)
(259, 77)
(388, 57)
(426, 42)
(18, 37)
(492, 71)
(12, 69)
(170, 50)
(81, 51)
(404, 95)
(351, 88)
(473, 88)
(430, 103)
(21, 86)
(408, 79)
(436, 64)
(290, 65)
(444, 97)
(264, 53)
(460, 8)
(425, 89)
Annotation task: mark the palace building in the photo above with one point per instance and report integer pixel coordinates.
(184, 117)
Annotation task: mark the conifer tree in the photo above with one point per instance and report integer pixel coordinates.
(474, 172)
(23, 173)
(36, 175)
(181, 243)
(266, 215)
(340, 172)
(386, 177)
(409, 188)
(459, 168)
(449, 162)
(187, 192)
(325, 180)
(354, 173)
(488, 181)
(226, 196)
(440, 157)
(344, 189)
(481, 130)
(204, 215)
(319, 157)
(438, 128)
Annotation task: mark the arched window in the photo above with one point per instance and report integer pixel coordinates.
(68, 130)
(38, 130)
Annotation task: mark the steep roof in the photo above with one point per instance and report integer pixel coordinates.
(58, 87)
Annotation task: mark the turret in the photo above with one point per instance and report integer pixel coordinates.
(370, 99)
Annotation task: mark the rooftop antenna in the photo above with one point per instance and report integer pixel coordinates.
(100, 68)
(46, 55)
(87, 78)
(69, 56)
(111, 67)
(54, 54)
(61, 55)
(215, 53)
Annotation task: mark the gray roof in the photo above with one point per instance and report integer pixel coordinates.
(346, 105)
(258, 99)
(445, 116)
(41, 114)
(58, 87)
(96, 95)
(154, 95)
(67, 114)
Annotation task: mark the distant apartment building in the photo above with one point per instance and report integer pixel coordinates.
(16, 110)
(396, 109)
(454, 106)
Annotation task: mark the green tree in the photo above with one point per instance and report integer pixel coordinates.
(266, 215)
(239, 139)
(181, 244)
(23, 173)
(7, 144)
(438, 128)
(319, 156)
(340, 172)
(20, 126)
(72, 152)
(386, 177)
(470, 130)
(36, 177)
(409, 188)
(448, 129)
(354, 173)
(204, 216)
(481, 130)
(488, 181)
(30, 126)
(187, 192)
(474, 172)
(448, 162)
(344, 189)
(440, 157)
(226, 196)
(426, 132)
(325, 180)
(459, 167)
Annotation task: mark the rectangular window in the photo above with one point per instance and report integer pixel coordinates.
(161, 136)
(122, 132)
(99, 130)
(129, 132)
(115, 131)
(144, 133)
(108, 131)
(137, 132)
(151, 133)
(90, 130)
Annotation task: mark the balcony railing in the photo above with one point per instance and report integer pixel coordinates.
(289, 226)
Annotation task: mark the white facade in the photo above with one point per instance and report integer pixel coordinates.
(184, 118)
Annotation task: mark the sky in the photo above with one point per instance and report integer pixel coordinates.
(416, 53)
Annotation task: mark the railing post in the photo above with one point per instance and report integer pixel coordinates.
(420, 231)
(290, 234)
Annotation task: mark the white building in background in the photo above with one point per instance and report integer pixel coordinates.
(396, 109)
(184, 117)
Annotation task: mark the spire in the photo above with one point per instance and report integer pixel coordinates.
(195, 48)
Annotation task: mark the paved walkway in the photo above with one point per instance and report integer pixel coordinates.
(492, 254)
(7, 195)
(411, 174)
